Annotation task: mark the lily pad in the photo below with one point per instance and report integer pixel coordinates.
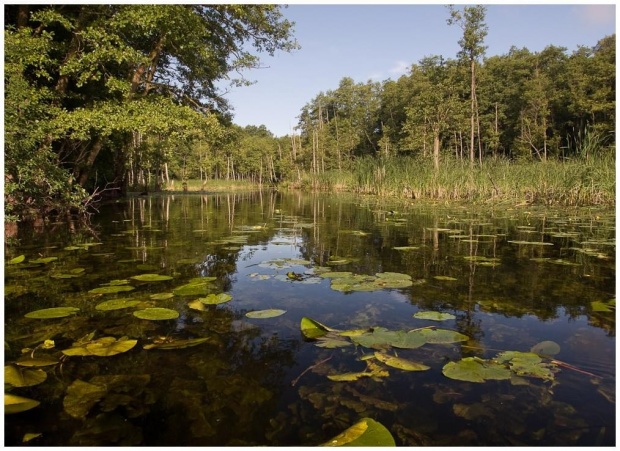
(176, 344)
(406, 248)
(434, 316)
(44, 260)
(445, 278)
(381, 338)
(36, 361)
(193, 289)
(262, 314)
(151, 277)
(111, 289)
(526, 364)
(347, 377)
(604, 306)
(546, 348)
(161, 296)
(102, 347)
(474, 369)
(117, 304)
(401, 364)
(17, 260)
(21, 377)
(17, 404)
(532, 243)
(312, 329)
(54, 312)
(197, 305)
(332, 342)
(81, 397)
(440, 336)
(156, 314)
(216, 299)
(366, 432)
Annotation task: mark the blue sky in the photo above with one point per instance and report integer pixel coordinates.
(377, 42)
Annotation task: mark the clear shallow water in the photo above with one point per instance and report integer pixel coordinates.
(246, 384)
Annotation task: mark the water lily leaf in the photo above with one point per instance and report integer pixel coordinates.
(406, 248)
(547, 348)
(16, 260)
(188, 261)
(216, 299)
(111, 289)
(312, 329)
(55, 312)
(17, 404)
(21, 377)
(392, 276)
(532, 243)
(269, 313)
(332, 342)
(117, 304)
(347, 377)
(176, 344)
(336, 274)
(604, 306)
(445, 278)
(35, 362)
(156, 314)
(474, 369)
(151, 277)
(161, 296)
(44, 260)
(31, 436)
(440, 336)
(102, 347)
(81, 397)
(381, 338)
(197, 305)
(401, 364)
(115, 282)
(193, 289)
(434, 316)
(366, 432)
(526, 364)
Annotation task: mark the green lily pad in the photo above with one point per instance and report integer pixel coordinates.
(332, 342)
(474, 369)
(161, 296)
(36, 361)
(347, 377)
(445, 278)
(188, 261)
(115, 282)
(604, 306)
(28, 436)
(81, 397)
(43, 261)
(336, 274)
(21, 377)
(17, 404)
(546, 348)
(440, 336)
(216, 299)
(151, 277)
(262, 314)
(111, 289)
(197, 305)
(102, 347)
(17, 260)
(176, 344)
(532, 243)
(193, 289)
(526, 364)
(434, 316)
(406, 248)
(312, 329)
(381, 338)
(401, 364)
(117, 304)
(156, 314)
(55, 312)
(366, 432)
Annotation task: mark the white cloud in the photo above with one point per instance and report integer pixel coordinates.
(400, 68)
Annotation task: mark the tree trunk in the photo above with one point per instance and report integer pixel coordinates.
(84, 169)
(436, 150)
(473, 96)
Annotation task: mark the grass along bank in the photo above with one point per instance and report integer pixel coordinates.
(589, 181)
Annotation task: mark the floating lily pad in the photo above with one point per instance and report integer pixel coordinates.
(401, 364)
(161, 296)
(406, 248)
(44, 260)
(526, 364)
(17, 404)
(36, 361)
(546, 348)
(262, 314)
(188, 261)
(117, 304)
(332, 342)
(440, 336)
(312, 329)
(55, 312)
(151, 277)
(532, 243)
(102, 347)
(17, 260)
(111, 289)
(21, 377)
(216, 299)
(381, 338)
(347, 377)
(366, 432)
(196, 288)
(197, 305)
(474, 369)
(434, 316)
(81, 397)
(28, 436)
(115, 283)
(156, 314)
(445, 278)
(176, 344)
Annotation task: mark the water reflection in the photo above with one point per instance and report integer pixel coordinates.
(512, 278)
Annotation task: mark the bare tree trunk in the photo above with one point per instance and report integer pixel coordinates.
(473, 97)
(436, 150)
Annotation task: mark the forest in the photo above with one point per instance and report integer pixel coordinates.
(101, 100)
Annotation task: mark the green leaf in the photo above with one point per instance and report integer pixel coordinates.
(269, 313)
(381, 338)
(604, 306)
(442, 336)
(193, 289)
(43, 261)
(102, 347)
(526, 364)
(81, 397)
(35, 362)
(347, 377)
(312, 329)
(533, 243)
(473, 369)
(366, 432)
(55, 312)
(151, 277)
(216, 299)
(434, 316)
(448, 278)
(117, 304)
(20, 377)
(406, 248)
(17, 404)
(176, 344)
(161, 296)
(332, 342)
(16, 260)
(402, 364)
(111, 289)
(156, 314)
(546, 348)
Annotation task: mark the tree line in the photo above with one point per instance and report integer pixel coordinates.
(105, 98)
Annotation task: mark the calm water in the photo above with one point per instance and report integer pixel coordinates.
(247, 384)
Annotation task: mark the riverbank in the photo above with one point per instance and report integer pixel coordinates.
(572, 183)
